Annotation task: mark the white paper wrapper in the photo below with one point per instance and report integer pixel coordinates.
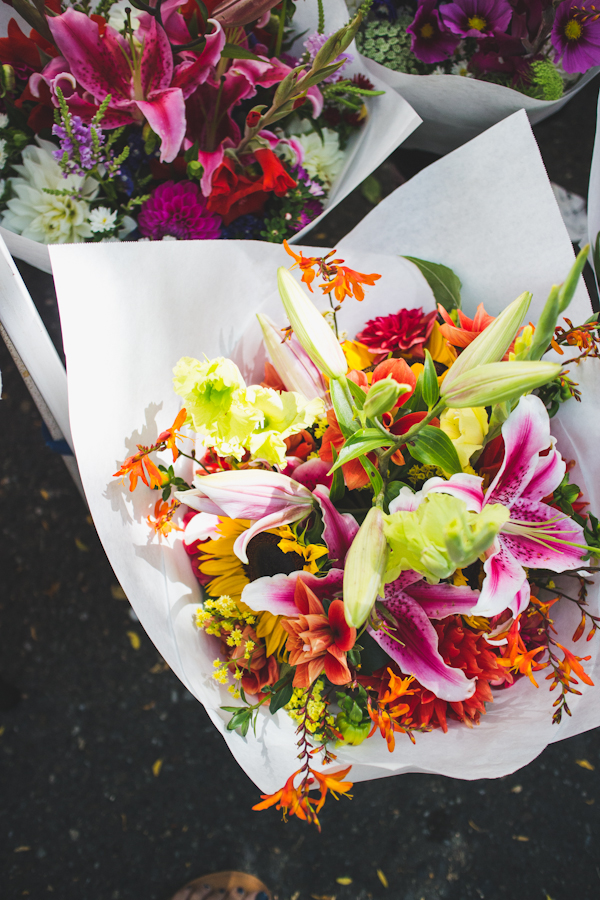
(130, 311)
(391, 120)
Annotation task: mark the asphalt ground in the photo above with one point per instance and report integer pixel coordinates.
(85, 811)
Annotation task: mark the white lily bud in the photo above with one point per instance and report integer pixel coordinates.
(363, 571)
(292, 362)
(497, 382)
(311, 329)
(491, 345)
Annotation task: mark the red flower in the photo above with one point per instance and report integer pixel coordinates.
(317, 640)
(461, 648)
(405, 332)
(22, 52)
(275, 176)
(235, 194)
(400, 372)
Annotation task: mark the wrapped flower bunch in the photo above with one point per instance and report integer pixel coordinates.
(378, 525)
(133, 120)
(538, 48)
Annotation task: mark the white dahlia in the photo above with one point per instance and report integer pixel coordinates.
(47, 218)
(322, 158)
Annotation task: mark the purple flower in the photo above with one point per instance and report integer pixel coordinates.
(310, 211)
(79, 147)
(431, 42)
(475, 18)
(178, 210)
(314, 43)
(576, 36)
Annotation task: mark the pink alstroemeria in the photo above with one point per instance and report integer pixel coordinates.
(412, 641)
(536, 535)
(143, 82)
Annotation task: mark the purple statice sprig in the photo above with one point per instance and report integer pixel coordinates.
(83, 147)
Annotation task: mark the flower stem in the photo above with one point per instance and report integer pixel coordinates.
(281, 28)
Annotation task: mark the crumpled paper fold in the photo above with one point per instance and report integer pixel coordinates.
(130, 311)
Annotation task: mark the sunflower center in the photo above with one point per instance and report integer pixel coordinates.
(573, 30)
(477, 23)
(265, 559)
(427, 30)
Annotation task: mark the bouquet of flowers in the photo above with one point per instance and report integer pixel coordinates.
(541, 50)
(378, 523)
(161, 121)
(329, 498)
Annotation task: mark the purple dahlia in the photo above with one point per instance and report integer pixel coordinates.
(178, 209)
(576, 36)
(476, 18)
(431, 42)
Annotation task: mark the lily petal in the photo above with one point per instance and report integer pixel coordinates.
(275, 520)
(505, 577)
(420, 655)
(313, 472)
(548, 475)
(441, 600)
(340, 528)
(462, 485)
(275, 593)
(165, 113)
(247, 493)
(156, 64)
(551, 554)
(201, 528)
(188, 76)
(526, 433)
(99, 64)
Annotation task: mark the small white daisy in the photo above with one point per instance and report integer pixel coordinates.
(102, 219)
(3, 121)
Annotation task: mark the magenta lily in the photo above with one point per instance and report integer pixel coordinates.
(143, 81)
(412, 641)
(536, 535)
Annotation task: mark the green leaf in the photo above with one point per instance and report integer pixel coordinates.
(430, 387)
(433, 447)
(444, 283)
(357, 392)
(234, 51)
(361, 443)
(343, 410)
(281, 697)
(374, 476)
(336, 491)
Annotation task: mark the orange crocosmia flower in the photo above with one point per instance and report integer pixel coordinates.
(293, 801)
(305, 263)
(169, 436)
(347, 283)
(162, 523)
(518, 658)
(332, 781)
(572, 662)
(140, 466)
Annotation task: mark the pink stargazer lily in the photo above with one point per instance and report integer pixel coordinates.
(143, 82)
(412, 641)
(536, 535)
(268, 499)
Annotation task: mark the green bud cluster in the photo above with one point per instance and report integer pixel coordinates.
(389, 44)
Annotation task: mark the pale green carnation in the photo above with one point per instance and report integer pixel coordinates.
(235, 418)
(440, 536)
